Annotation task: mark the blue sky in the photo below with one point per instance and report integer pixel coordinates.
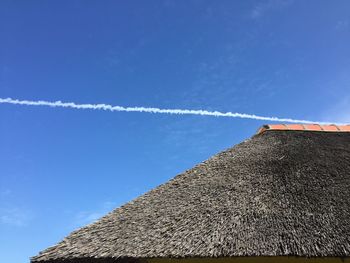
(63, 168)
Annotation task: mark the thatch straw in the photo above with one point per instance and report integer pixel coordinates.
(279, 193)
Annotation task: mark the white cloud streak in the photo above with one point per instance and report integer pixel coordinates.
(107, 107)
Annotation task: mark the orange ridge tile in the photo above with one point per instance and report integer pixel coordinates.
(305, 127)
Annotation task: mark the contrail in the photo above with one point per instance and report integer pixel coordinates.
(112, 108)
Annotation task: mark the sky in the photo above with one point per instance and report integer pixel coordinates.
(62, 168)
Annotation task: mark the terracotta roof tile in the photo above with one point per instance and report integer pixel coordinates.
(297, 127)
(330, 128)
(344, 128)
(305, 127)
(313, 127)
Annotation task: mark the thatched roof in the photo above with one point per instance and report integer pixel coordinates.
(279, 193)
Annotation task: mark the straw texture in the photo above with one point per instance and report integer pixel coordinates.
(279, 193)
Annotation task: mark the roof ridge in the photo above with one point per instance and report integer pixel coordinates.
(304, 127)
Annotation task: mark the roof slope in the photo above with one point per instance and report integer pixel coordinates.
(278, 193)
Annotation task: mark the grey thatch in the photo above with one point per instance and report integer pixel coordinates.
(279, 193)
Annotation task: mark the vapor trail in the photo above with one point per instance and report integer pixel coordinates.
(107, 107)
